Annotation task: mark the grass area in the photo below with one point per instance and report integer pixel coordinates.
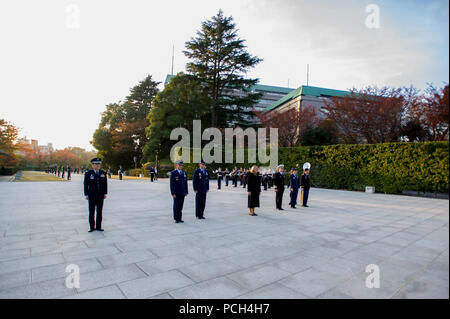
(33, 176)
(129, 177)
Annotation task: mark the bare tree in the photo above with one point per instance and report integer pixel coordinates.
(289, 123)
(370, 115)
(434, 113)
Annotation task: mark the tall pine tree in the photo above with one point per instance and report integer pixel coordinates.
(219, 59)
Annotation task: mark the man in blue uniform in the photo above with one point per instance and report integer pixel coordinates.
(120, 172)
(219, 178)
(305, 184)
(179, 190)
(95, 190)
(152, 173)
(227, 176)
(294, 185)
(200, 182)
(278, 181)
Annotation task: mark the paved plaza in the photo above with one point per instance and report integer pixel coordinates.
(316, 252)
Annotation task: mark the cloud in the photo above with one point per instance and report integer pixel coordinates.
(333, 38)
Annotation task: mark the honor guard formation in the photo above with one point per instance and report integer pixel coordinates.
(250, 179)
(96, 186)
(60, 171)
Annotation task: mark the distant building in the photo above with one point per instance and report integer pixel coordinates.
(34, 145)
(303, 96)
(24, 140)
(46, 149)
(270, 94)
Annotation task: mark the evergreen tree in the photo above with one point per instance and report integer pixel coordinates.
(218, 57)
(182, 101)
(121, 133)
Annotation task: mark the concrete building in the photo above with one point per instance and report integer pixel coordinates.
(270, 94)
(304, 96)
(46, 149)
(34, 145)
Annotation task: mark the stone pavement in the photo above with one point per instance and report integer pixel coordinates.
(5, 178)
(316, 252)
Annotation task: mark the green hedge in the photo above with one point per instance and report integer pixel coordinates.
(390, 167)
(137, 172)
(145, 169)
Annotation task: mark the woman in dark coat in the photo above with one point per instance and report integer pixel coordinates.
(253, 189)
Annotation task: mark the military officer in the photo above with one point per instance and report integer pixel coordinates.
(278, 181)
(264, 180)
(305, 184)
(120, 172)
(270, 179)
(95, 190)
(200, 182)
(219, 178)
(152, 174)
(244, 178)
(235, 174)
(241, 176)
(294, 185)
(179, 190)
(227, 176)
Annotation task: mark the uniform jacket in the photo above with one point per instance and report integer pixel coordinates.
(279, 181)
(178, 183)
(95, 185)
(293, 181)
(305, 181)
(200, 180)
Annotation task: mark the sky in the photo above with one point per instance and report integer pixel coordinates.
(62, 62)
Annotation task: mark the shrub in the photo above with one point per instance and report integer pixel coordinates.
(390, 167)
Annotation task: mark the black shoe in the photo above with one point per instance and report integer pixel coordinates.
(99, 229)
(305, 206)
(293, 207)
(90, 230)
(180, 221)
(281, 209)
(202, 217)
(253, 214)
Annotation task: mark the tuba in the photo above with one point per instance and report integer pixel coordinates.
(306, 166)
